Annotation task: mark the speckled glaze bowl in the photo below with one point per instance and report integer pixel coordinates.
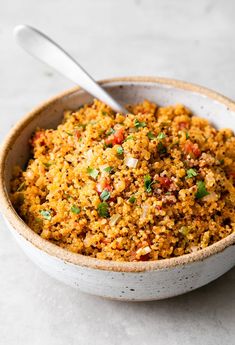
(132, 281)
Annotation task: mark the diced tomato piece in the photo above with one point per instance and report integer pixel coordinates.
(183, 125)
(116, 138)
(145, 257)
(105, 240)
(192, 149)
(38, 136)
(165, 182)
(119, 136)
(77, 134)
(104, 183)
(232, 174)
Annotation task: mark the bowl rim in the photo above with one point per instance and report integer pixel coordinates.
(55, 251)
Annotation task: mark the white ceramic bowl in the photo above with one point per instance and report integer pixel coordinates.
(135, 281)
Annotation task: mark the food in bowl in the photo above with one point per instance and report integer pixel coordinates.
(154, 184)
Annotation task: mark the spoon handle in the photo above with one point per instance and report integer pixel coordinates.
(46, 50)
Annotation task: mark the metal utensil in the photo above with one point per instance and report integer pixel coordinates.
(46, 50)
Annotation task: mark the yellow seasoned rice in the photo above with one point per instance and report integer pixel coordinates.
(154, 184)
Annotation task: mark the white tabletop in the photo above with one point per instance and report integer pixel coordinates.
(188, 40)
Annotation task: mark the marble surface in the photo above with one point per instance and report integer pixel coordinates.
(182, 39)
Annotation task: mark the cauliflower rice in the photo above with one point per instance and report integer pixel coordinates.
(154, 184)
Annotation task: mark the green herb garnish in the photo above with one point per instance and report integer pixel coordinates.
(148, 183)
(103, 210)
(110, 131)
(104, 113)
(83, 125)
(191, 173)
(105, 195)
(221, 161)
(161, 148)
(93, 173)
(47, 165)
(108, 169)
(46, 214)
(161, 136)
(139, 124)
(187, 135)
(151, 136)
(132, 199)
(130, 137)
(120, 150)
(70, 134)
(201, 190)
(21, 186)
(75, 209)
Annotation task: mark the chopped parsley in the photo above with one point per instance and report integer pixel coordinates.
(161, 148)
(103, 210)
(46, 214)
(139, 124)
(120, 150)
(21, 186)
(148, 183)
(93, 173)
(161, 136)
(187, 135)
(201, 190)
(83, 125)
(132, 199)
(47, 165)
(191, 173)
(130, 137)
(110, 131)
(222, 161)
(104, 113)
(105, 195)
(108, 169)
(75, 209)
(151, 136)
(68, 133)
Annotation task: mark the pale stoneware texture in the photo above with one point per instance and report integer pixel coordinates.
(173, 277)
(184, 40)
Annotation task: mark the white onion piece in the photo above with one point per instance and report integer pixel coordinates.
(114, 219)
(143, 251)
(131, 162)
(145, 211)
(194, 249)
(89, 155)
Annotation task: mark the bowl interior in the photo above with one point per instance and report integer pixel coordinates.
(15, 151)
(50, 114)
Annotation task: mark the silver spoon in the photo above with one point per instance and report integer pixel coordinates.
(46, 50)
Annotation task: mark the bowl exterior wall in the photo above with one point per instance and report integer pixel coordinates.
(129, 286)
(132, 286)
